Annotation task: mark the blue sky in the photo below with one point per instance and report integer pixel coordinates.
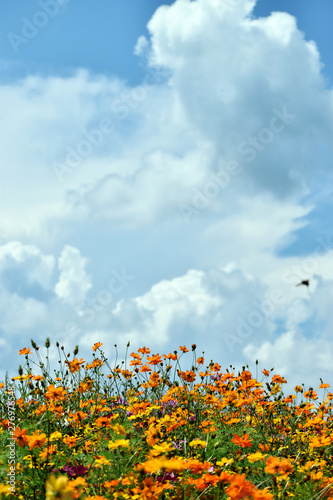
(167, 178)
(100, 36)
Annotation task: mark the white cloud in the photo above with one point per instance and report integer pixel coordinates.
(233, 82)
(73, 283)
(25, 284)
(231, 78)
(27, 260)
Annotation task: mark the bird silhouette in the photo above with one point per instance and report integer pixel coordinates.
(304, 282)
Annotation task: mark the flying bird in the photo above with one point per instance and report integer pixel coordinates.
(304, 282)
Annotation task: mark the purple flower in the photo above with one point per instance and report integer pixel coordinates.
(168, 476)
(74, 470)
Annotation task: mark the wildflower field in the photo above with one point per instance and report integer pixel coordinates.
(145, 429)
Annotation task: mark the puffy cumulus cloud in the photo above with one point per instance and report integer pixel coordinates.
(203, 307)
(251, 86)
(237, 89)
(19, 315)
(24, 270)
(26, 276)
(73, 283)
(49, 117)
(152, 192)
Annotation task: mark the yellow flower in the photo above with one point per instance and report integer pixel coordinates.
(101, 461)
(254, 457)
(156, 464)
(4, 488)
(57, 488)
(55, 435)
(225, 461)
(198, 442)
(120, 443)
(119, 429)
(163, 448)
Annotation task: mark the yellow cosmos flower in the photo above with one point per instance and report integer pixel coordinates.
(57, 488)
(4, 488)
(119, 429)
(156, 464)
(198, 442)
(55, 435)
(100, 461)
(254, 457)
(120, 443)
(225, 461)
(163, 448)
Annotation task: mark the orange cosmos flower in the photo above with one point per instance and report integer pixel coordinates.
(70, 441)
(21, 436)
(51, 450)
(200, 360)
(276, 466)
(170, 356)
(183, 348)
(285, 467)
(37, 440)
(318, 442)
(95, 364)
(135, 355)
(324, 386)
(243, 441)
(56, 393)
(262, 495)
(188, 376)
(278, 379)
(144, 350)
(74, 365)
(311, 394)
(272, 465)
(239, 488)
(246, 375)
(26, 350)
(96, 346)
(135, 362)
(145, 368)
(112, 483)
(155, 359)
